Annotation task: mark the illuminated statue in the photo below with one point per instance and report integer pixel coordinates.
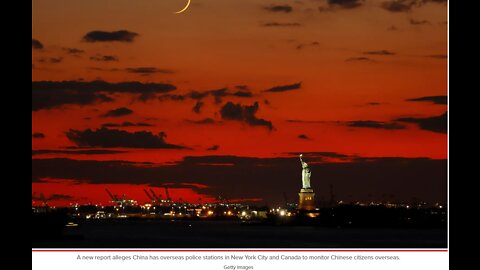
(305, 174)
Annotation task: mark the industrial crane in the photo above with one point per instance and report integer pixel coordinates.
(157, 198)
(149, 196)
(168, 195)
(114, 197)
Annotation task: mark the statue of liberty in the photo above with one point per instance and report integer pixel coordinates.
(305, 174)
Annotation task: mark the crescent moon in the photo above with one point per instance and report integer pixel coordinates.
(185, 8)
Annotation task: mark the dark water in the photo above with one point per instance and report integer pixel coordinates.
(232, 234)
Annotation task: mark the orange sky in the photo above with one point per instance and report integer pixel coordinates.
(354, 60)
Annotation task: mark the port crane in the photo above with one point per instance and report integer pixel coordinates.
(149, 196)
(123, 201)
(157, 198)
(168, 195)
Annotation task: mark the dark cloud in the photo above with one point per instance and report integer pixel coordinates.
(406, 5)
(55, 60)
(202, 121)
(51, 60)
(284, 88)
(48, 99)
(374, 124)
(172, 97)
(359, 59)
(53, 94)
(399, 5)
(279, 8)
(277, 24)
(104, 36)
(198, 106)
(73, 51)
(438, 56)
(104, 58)
(433, 99)
(418, 22)
(52, 197)
(197, 95)
(77, 152)
(118, 112)
(145, 71)
(62, 197)
(38, 135)
(148, 70)
(379, 52)
(245, 114)
(235, 177)
(127, 124)
(303, 137)
(213, 148)
(373, 103)
(246, 94)
(303, 45)
(435, 123)
(217, 94)
(111, 138)
(242, 87)
(347, 4)
(36, 44)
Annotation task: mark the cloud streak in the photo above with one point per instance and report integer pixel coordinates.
(345, 4)
(399, 5)
(359, 59)
(433, 99)
(435, 124)
(148, 70)
(375, 124)
(104, 58)
(73, 51)
(113, 138)
(113, 36)
(77, 152)
(379, 52)
(278, 24)
(284, 88)
(279, 8)
(418, 22)
(54, 94)
(205, 121)
(127, 124)
(217, 94)
(38, 135)
(51, 60)
(118, 112)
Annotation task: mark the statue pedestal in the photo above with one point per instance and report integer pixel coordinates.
(306, 199)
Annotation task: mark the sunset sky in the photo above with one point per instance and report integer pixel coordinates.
(219, 100)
